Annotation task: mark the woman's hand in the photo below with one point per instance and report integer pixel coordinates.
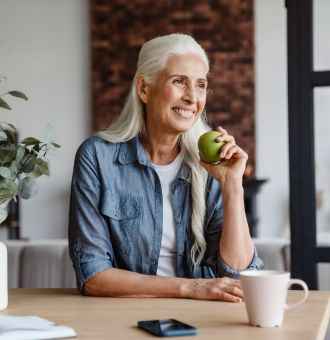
(233, 160)
(224, 289)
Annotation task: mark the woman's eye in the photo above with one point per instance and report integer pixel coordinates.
(179, 81)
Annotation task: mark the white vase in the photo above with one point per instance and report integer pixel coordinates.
(4, 211)
(3, 277)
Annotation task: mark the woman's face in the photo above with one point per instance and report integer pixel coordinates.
(178, 95)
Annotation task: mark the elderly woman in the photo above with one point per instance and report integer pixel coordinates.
(147, 217)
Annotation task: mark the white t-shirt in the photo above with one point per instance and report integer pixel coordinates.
(166, 174)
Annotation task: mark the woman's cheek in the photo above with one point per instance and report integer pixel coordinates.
(169, 93)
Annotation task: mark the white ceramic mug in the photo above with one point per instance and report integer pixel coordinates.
(265, 295)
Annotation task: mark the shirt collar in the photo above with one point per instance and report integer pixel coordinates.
(133, 151)
(185, 172)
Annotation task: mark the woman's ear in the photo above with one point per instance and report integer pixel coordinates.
(142, 89)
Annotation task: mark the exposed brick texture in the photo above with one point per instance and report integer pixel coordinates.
(223, 27)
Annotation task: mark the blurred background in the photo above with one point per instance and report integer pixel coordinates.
(75, 60)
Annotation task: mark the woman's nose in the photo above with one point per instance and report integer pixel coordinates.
(189, 95)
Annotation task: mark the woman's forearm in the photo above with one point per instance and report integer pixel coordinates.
(122, 283)
(236, 246)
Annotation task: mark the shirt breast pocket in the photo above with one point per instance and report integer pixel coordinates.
(124, 214)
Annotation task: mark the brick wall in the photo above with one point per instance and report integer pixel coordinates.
(223, 27)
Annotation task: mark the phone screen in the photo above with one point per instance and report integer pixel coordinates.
(167, 327)
(172, 324)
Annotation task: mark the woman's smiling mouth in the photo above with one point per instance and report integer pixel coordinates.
(184, 113)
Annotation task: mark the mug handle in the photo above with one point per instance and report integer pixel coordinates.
(304, 286)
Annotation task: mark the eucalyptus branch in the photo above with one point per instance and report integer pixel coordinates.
(21, 162)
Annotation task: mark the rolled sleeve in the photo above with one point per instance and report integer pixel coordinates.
(89, 239)
(223, 269)
(213, 229)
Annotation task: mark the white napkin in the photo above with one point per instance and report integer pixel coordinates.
(31, 327)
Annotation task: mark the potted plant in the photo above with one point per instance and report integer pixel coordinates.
(21, 162)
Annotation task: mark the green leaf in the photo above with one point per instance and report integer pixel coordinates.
(27, 187)
(5, 172)
(7, 126)
(41, 168)
(18, 94)
(8, 189)
(4, 200)
(30, 141)
(55, 145)
(7, 153)
(12, 126)
(20, 153)
(28, 163)
(4, 104)
(13, 169)
(3, 213)
(3, 136)
(36, 148)
(10, 131)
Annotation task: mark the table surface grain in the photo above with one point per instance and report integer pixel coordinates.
(116, 318)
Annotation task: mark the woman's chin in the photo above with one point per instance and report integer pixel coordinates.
(183, 128)
(183, 125)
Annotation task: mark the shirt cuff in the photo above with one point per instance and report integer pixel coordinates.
(223, 269)
(86, 270)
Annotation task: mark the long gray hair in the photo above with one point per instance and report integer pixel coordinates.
(152, 59)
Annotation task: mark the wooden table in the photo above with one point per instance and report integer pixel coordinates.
(113, 318)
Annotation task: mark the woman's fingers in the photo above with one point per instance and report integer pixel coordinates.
(237, 284)
(234, 291)
(225, 138)
(223, 289)
(224, 150)
(233, 287)
(230, 148)
(230, 287)
(230, 151)
(228, 297)
(222, 130)
(225, 294)
(229, 142)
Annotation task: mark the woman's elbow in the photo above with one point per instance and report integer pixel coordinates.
(91, 286)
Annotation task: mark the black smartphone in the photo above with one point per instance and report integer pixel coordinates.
(168, 327)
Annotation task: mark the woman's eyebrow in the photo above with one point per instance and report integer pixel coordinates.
(185, 77)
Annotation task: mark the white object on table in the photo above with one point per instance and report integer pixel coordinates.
(3, 277)
(31, 328)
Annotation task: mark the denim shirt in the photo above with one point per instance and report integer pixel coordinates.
(116, 214)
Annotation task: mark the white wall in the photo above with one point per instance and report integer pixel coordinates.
(44, 52)
(322, 114)
(271, 115)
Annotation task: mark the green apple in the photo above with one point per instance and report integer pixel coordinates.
(209, 148)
